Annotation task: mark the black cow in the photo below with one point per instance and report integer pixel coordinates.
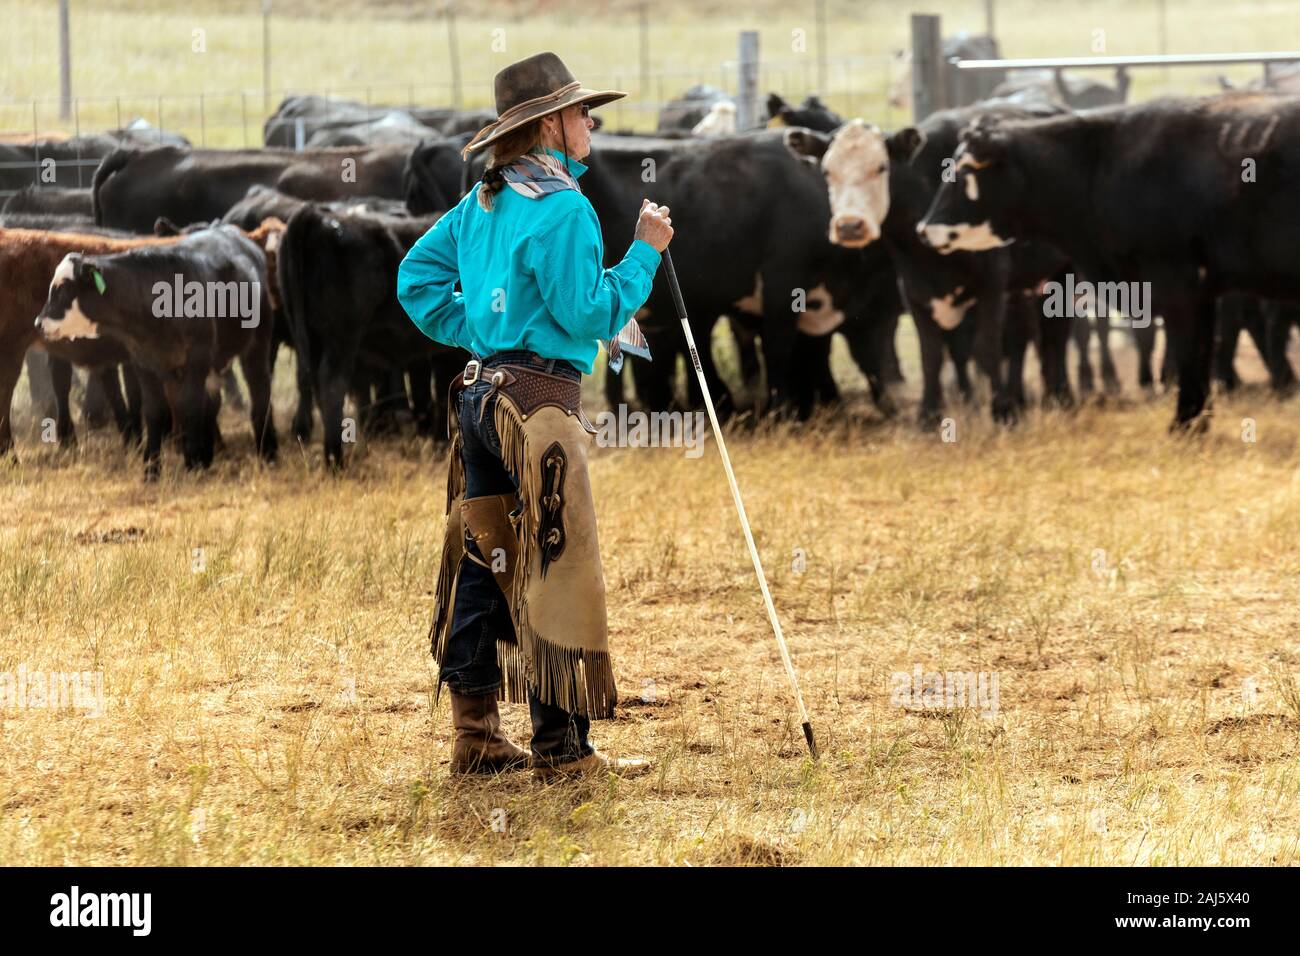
(37, 200)
(879, 188)
(134, 188)
(338, 276)
(1191, 195)
(262, 203)
(320, 114)
(184, 311)
(750, 236)
(811, 114)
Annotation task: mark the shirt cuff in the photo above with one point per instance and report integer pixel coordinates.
(642, 252)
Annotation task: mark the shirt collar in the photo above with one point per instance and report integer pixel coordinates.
(575, 167)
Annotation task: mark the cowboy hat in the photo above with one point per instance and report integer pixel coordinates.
(530, 89)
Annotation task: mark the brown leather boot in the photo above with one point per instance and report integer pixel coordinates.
(480, 746)
(594, 763)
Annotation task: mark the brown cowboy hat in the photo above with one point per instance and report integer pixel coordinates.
(530, 89)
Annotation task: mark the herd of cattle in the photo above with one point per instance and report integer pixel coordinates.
(794, 233)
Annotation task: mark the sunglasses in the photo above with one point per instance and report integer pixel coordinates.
(586, 109)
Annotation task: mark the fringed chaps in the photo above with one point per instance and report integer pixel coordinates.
(560, 645)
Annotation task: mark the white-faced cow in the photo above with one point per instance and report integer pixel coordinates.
(879, 187)
(183, 311)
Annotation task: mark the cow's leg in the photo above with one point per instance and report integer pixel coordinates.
(1144, 339)
(332, 379)
(1230, 311)
(61, 375)
(810, 371)
(1054, 344)
(751, 371)
(97, 405)
(11, 368)
(1082, 329)
(1169, 362)
(256, 366)
(1278, 317)
(1189, 315)
(931, 341)
(869, 338)
(134, 432)
(1016, 335)
(1254, 322)
(989, 313)
(39, 383)
(390, 401)
(302, 416)
(420, 373)
(194, 412)
(111, 385)
(1109, 378)
(959, 342)
(778, 334)
(157, 422)
(890, 368)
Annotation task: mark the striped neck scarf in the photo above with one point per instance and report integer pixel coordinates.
(533, 175)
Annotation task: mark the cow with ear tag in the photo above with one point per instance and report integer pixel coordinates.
(184, 311)
(880, 186)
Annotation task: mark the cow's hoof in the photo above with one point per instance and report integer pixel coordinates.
(1005, 411)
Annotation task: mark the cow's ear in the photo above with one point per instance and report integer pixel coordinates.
(987, 144)
(905, 144)
(86, 272)
(775, 104)
(806, 143)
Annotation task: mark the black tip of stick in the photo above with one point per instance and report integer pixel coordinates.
(808, 736)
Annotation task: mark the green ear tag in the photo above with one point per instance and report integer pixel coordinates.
(99, 281)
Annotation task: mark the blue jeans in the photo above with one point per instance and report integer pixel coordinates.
(481, 613)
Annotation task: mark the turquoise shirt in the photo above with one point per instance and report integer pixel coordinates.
(531, 274)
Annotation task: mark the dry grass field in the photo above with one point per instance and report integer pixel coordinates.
(267, 688)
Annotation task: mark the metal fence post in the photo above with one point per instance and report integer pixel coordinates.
(266, 55)
(65, 62)
(747, 88)
(927, 66)
(821, 48)
(453, 47)
(644, 45)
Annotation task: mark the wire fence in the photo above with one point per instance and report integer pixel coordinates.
(235, 119)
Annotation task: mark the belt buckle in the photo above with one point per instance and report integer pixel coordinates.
(477, 366)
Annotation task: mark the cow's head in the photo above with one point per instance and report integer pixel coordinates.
(855, 161)
(975, 205)
(77, 283)
(813, 114)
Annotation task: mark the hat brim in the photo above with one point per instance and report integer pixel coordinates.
(494, 131)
